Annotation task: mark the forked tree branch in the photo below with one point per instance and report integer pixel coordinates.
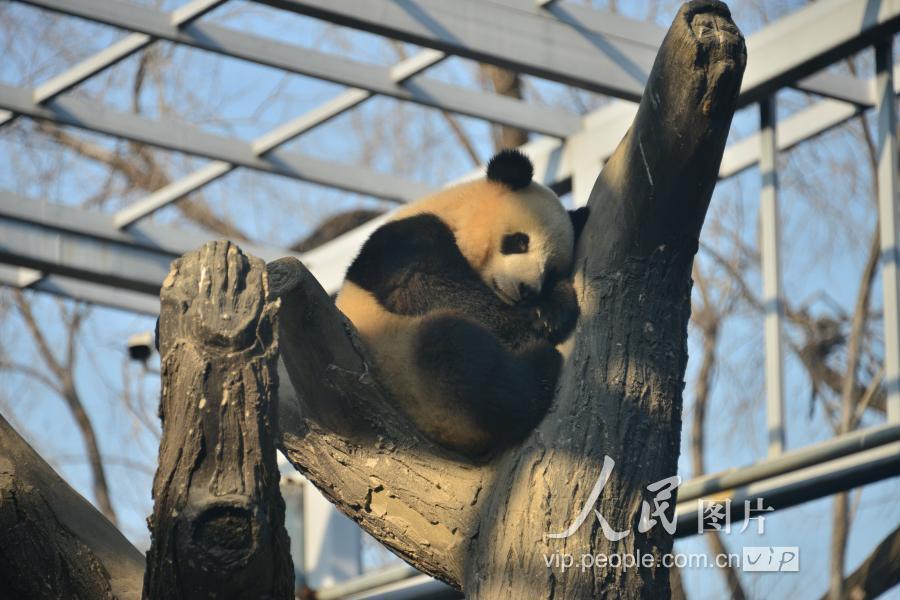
(481, 526)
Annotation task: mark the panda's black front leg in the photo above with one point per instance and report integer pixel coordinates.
(557, 310)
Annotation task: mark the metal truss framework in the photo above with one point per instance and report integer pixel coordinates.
(119, 260)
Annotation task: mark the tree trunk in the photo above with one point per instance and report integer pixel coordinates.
(218, 519)
(620, 391)
(482, 527)
(53, 543)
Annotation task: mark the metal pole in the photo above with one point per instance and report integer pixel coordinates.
(888, 209)
(834, 448)
(771, 274)
(796, 487)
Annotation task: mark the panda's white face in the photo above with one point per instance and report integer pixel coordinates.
(514, 239)
(534, 240)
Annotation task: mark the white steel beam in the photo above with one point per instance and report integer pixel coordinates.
(528, 42)
(282, 134)
(889, 221)
(34, 245)
(839, 87)
(77, 289)
(305, 61)
(796, 487)
(850, 24)
(861, 440)
(82, 244)
(808, 40)
(117, 52)
(182, 137)
(107, 57)
(604, 30)
(799, 127)
(770, 250)
(829, 85)
(794, 47)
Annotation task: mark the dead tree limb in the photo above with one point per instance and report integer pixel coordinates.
(53, 542)
(218, 517)
(481, 527)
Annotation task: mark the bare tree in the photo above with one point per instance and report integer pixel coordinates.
(58, 374)
(708, 317)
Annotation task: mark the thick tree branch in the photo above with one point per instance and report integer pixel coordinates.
(341, 431)
(53, 543)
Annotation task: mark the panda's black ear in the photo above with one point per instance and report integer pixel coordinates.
(579, 218)
(511, 168)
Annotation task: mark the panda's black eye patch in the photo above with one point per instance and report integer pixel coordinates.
(514, 243)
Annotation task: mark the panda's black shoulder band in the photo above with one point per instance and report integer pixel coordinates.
(511, 168)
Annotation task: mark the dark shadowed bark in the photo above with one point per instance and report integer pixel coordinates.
(53, 543)
(218, 519)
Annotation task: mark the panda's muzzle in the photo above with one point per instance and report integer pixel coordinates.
(527, 294)
(521, 294)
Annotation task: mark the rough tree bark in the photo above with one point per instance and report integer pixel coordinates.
(53, 543)
(482, 527)
(218, 519)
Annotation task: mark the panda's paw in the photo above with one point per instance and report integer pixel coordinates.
(558, 312)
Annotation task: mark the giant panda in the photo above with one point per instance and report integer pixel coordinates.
(461, 299)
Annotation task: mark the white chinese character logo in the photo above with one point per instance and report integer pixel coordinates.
(760, 520)
(661, 504)
(714, 516)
